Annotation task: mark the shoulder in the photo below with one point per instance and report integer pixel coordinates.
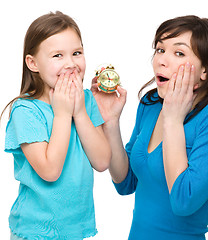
(26, 104)
(88, 93)
(92, 108)
(150, 103)
(202, 118)
(151, 97)
(26, 110)
(89, 98)
(23, 102)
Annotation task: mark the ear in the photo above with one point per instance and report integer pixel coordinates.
(204, 74)
(31, 63)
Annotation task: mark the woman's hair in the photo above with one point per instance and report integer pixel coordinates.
(199, 43)
(41, 29)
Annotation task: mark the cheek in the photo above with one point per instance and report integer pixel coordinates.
(82, 68)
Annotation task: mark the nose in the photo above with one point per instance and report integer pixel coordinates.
(69, 63)
(163, 60)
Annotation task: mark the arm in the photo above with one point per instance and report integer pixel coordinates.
(48, 159)
(177, 103)
(186, 176)
(92, 138)
(111, 106)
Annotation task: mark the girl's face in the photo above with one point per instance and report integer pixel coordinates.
(170, 54)
(56, 55)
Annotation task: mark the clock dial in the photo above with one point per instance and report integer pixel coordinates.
(108, 79)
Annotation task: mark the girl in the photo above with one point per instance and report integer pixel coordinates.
(166, 160)
(55, 135)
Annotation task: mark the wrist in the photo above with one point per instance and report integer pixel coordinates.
(111, 125)
(62, 117)
(80, 116)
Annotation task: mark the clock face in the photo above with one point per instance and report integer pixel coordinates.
(109, 78)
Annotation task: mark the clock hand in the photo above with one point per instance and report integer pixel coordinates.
(109, 77)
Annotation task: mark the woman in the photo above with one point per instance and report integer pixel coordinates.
(166, 160)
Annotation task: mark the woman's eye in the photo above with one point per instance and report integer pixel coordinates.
(159, 50)
(180, 54)
(77, 53)
(58, 55)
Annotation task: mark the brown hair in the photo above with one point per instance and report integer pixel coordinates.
(40, 29)
(199, 43)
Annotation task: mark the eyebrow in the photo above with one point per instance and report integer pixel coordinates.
(177, 43)
(181, 43)
(62, 50)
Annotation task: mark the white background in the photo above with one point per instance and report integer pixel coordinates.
(113, 31)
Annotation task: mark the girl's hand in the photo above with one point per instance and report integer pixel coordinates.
(180, 96)
(110, 105)
(77, 84)
(62, 96)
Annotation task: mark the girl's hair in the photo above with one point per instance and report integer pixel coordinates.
(199, 43)
(41, 29)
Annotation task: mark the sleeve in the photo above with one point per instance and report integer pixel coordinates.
(189, 192)
(129, 184)
(92, 109)
(24, 126)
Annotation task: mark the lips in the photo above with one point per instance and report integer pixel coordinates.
(162, 78)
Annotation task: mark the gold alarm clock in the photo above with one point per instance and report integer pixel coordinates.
(108, 79)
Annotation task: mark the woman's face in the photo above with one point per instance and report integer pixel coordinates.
(170, 54)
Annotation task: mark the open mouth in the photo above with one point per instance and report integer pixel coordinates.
(163, 79)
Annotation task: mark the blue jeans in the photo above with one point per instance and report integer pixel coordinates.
(15, 237)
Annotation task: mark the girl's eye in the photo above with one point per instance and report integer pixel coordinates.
(58, 55)
(77, 53)
(180, 54)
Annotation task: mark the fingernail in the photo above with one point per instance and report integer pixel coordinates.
(182, 68)
(174, 75)
(188, 65)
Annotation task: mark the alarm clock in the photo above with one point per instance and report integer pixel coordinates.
(108, 79)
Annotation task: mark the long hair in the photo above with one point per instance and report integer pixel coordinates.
(42, 28)
(199, 44)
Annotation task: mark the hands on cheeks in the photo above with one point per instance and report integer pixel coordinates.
(180, 95)
(68, 96)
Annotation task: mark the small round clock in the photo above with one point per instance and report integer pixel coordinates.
(108, 79)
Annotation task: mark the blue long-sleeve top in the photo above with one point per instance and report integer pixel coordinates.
(158, 214)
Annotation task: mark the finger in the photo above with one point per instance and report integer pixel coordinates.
(187, 79)
(122, 92)
(94, 80)
(65, 82)
(171, 85)
(179, 78)
(68, 88)
(77, 75)
(78, 83)
(59, 82)
(191, 86)
(51, 95)
(72, 91)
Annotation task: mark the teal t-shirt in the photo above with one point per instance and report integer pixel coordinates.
(63, 209)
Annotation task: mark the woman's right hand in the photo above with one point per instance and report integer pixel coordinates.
(110, 104)
(63, 95)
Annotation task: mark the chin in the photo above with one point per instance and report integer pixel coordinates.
(161, 94)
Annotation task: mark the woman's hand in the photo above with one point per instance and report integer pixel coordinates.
(110, 105)
(177, 104)
(180, 96)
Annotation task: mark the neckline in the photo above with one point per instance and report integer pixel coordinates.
(42, 102)
(153, 124)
